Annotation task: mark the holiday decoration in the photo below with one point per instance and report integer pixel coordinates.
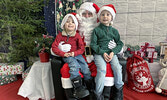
(151, 53)
(60, 5)
(139, 76)
(6, 79)
(44, 56)
(73, 8)
(163, 54)
(43, 44)
(9, 69)
(58, 16)
(20, 22)
(161, 87)
(146, 51)
(25, 73)
(64, 7)
(67, 8)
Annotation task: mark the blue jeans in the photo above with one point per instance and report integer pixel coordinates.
(101, 72)
(78, 63)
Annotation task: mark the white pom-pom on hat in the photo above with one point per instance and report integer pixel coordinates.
(73, 17)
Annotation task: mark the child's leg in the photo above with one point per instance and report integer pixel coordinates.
(117, 69)
(88, 80)
(79, 90)
(83, 67)
(73, 65)
(101, 72)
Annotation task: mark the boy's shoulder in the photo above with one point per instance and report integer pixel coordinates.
(97, 28)
(77, 34)
(114, 29)
(59, 34)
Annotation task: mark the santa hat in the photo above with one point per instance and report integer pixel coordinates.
(92, 7)
(109, 8)
(73, 17)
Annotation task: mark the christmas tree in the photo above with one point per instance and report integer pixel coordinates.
(21, 22)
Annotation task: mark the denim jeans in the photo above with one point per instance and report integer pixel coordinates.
(78, 63)
(101, 72)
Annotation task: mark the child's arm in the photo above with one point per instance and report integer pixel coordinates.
(96, 48)
(55, 48)
(112, 45)
(81, 47)
(119, 43)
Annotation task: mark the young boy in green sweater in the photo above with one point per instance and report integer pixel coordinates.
(101, 37)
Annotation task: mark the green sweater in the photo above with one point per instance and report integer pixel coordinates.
(101, 37)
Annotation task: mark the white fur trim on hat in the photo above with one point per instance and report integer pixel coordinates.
(88, 6)
(109, 81)
(110, 9)
(66, 83)
(65, 19)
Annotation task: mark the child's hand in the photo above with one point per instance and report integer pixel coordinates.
(111, 55)
(72, 54)
(106, 57)
(67, 54)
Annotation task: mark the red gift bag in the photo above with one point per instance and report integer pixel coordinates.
(139, 77)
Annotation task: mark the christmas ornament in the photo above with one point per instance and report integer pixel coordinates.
(58, 16)
(67, 8)
(73, 8)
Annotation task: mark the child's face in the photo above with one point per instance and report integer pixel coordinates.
(105, 17)
(69, 25)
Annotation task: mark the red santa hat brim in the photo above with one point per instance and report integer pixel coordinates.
(109, 8)
(73, 17)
